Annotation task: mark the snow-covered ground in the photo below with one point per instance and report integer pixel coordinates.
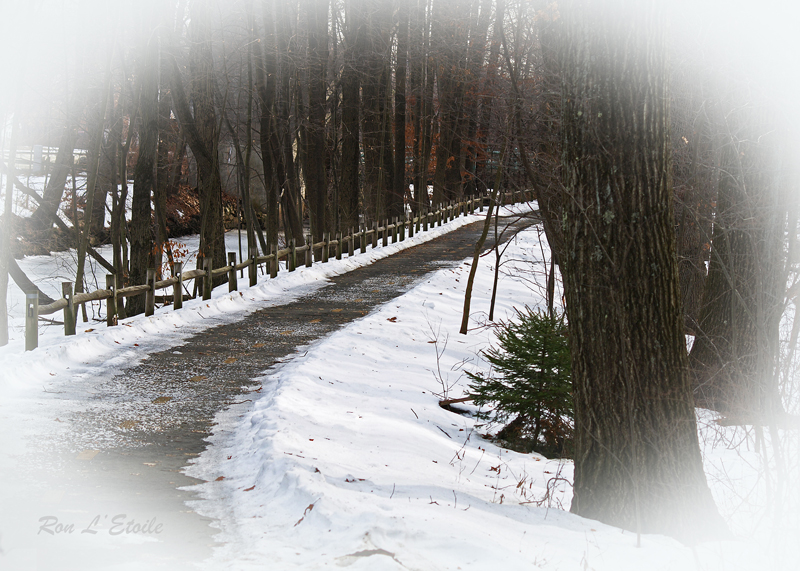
(345, 459)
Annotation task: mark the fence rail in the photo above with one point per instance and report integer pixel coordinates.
(395, 229)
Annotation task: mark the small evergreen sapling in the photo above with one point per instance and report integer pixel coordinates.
(529, 381)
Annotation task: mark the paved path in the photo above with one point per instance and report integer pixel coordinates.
(159, 412)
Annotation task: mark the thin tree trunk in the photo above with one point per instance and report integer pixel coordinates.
(91, 184)
(399, 186)
(54, 190)
(6, 252)
(476, 256)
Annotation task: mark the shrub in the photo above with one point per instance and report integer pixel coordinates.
(529, 381)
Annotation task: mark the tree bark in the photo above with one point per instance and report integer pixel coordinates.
(144, 174)
(637, 458)
(7, 234)
(54, 190)
(314, 166)
(734, 356)
(266, 72)
(399, 186)
(351, 154)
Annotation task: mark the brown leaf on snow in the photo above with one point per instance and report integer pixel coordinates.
(250, 489)
(220, 479)
(198, 378)
(162, 400)
(230, 360)
(305, 511)
(392, 319)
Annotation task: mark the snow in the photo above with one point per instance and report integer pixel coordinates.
(345, 459)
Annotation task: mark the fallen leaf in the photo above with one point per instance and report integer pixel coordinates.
(336, 310)
(250, 489)
(286, 332)
(128, 424)
(315, 321)
(220, 479)
(162, 400)
(87, 454)
(258, 345)
(357, 300)
(198, 378)
(149, 463)
(230, 360)
(392, 319)
(88, 330)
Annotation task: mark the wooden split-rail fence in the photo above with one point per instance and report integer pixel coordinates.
(113, 294)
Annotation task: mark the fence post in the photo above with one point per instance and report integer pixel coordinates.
(69, 311)
(363, 238)
(411, 226)
(150, 294)
(111, 304)
(120, 304)
(177, 288)
(375, 234)
(292, 261)
(208, 265)
(309, 251)
(252, 270)
(233, 279)
(339, 245)
(31, 321)
(351, 244)
(404, 219)
(326, 245)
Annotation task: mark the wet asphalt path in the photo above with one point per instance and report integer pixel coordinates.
(156, 415)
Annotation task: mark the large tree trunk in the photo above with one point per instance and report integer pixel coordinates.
(378, 159)
(351, 154)
(314, 165)
(201, 65)
(144, 174)
(734, 356)
(637, 459)
(266, 72)
(285, 126)
(422, 91)
(451, 36)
